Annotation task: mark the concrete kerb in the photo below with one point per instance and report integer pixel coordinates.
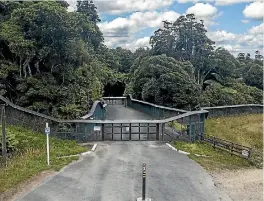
(180, 151)
(94, 147)
(140, 199)
(81, 154)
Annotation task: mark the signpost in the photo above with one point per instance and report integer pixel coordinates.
(245, 153)
(97, 128)
(47, 131)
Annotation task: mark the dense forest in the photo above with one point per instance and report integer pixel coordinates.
(55, 62)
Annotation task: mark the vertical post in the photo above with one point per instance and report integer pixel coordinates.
(139, 131)
(163, 125)
(144, 182)
(4, 151)
(102, 132)
(47, 131)
(112, 131)
(148, 132)
(130, 131)
(121, 132)
(157, 131)
(214, 141)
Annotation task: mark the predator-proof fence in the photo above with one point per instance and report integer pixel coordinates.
(231, 110)
(170, 123)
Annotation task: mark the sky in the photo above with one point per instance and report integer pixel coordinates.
(236, 25)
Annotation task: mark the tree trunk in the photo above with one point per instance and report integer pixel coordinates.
(24, 69)
(37, 67)
(20, 68)
(29, 70)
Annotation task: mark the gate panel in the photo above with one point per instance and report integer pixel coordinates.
(130, 131)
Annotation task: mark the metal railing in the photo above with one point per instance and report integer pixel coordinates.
(229, 110)
(157, 111)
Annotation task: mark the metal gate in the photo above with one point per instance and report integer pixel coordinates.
(130, 132)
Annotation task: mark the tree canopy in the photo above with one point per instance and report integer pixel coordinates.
(54, 61)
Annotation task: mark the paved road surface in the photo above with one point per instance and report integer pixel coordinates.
(120, 112)
(113, 173)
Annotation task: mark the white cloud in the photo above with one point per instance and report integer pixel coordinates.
(235, 43)
(229, 2)
(202, 10)
(257, 29)
(205, 12)
(120, 31)
(254, 10)
(136, 21)
(221, 36)
(187, 1)
(70, 9)
(245, 21)
(125, 6)
(137, 43)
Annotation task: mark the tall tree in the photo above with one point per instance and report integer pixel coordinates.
(89, 10)
(185, 40)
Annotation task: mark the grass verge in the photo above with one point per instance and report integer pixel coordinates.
(213, 159)
(30, 157)
(245, 130)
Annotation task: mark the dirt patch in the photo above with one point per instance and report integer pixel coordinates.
(26, 186)
(241, 185)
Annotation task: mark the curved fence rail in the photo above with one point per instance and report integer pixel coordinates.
(157, 111)
(97, 111)
(230, 110)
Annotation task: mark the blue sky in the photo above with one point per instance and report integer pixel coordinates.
(237, 25)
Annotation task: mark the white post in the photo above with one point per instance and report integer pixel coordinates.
(47, 134)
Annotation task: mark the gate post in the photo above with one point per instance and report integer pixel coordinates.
(157, 131)
(130, 131)
(162, 131)
(102, 132)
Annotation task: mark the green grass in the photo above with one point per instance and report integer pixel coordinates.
(177, 125)
(245, 130)
(30, 158)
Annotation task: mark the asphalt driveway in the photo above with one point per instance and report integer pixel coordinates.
(113, 173)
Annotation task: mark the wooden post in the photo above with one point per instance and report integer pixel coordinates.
(214, 141)
(4, 151)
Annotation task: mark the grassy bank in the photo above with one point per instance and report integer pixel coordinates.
(30, 157)
(246, 130)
